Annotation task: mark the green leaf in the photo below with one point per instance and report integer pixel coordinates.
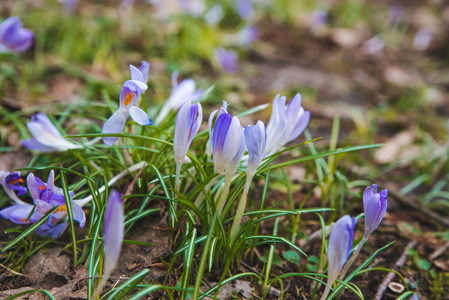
(422, 263)
(291, 256)
(277, 260)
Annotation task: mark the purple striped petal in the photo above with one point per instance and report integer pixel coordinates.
(340, 244)
(375, 205)
(113, 231)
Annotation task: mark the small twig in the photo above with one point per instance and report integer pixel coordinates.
(414, 204)
(439, 251)
(13, 272)
(130, 187)
(251, 268)
(399, 263)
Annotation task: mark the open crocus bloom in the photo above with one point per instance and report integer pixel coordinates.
(182, 92)
(46, 137)
(131, 91)
(286, 123)
(12, 181)
(45, 197)
(14, 38)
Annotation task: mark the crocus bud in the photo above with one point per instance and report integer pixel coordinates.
(188, 121)
(375, 206)
(113, 231)
(286, 123)
(46, 137)
(340, 244)
(227, 139)
(256, 142)
(14, 38)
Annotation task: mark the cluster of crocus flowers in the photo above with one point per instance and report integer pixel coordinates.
(45, 197)
(13, 37)
(46, 137)
(342, 235)
(181, 92)
(131, 91)
(286, 123)
(375, 205)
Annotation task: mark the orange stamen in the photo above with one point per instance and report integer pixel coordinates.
(128, 98)
(16, 181)
(24, 220)
(62, 208)
(42, 187)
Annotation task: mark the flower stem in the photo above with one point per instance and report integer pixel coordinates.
(240, 209)
(140, 165)
(224, 193)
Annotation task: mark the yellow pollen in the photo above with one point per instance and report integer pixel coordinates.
(42, 187)
(62, 208)
(128, 98)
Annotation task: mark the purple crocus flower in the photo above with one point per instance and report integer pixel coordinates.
(145, 70)
(340, 244)
(319, 18)
(395, 13)
(227, 59)
(195, 8)
(182, 92)
(11, 182)
(131, 91)
(45, 197)
(375, 205)
(188, 121)
(286, 123)
(228, 141)
(14, 38)
(69, 5)
(46, 137)
(244, 37)
(256, 142)
(422, 40)
(245, 8)
(214, 15)
(113, 231)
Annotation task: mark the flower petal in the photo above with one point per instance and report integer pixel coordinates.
(17, 213)
(113, 231)
(136, 74)
(140, 116)
(114, 124)
(78, 214)
(33, 144)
